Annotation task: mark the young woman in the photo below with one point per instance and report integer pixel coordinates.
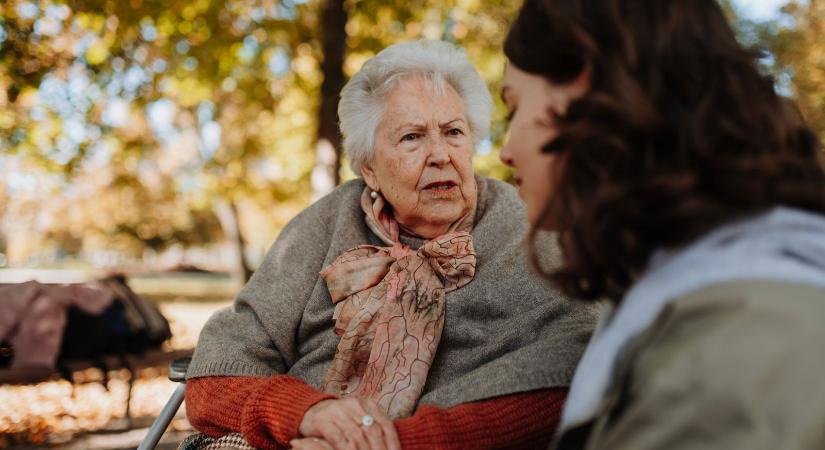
(691, 195)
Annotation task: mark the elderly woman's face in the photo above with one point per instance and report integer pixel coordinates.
(423, 157)
(532, 102)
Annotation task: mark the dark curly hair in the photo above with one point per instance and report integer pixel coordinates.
(678, 133)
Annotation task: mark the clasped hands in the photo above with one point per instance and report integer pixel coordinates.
(346, 424)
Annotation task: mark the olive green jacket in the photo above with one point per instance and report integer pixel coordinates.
(739, 365)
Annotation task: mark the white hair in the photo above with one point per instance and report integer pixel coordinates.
(362, 99)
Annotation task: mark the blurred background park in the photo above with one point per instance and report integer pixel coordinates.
(171, 141)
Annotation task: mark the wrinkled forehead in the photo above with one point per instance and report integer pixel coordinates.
(418, 101)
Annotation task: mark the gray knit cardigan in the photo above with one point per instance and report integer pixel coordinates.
(507, 331)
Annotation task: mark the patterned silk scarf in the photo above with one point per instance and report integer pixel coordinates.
(389, 309)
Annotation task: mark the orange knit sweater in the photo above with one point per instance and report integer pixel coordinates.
(268, 412)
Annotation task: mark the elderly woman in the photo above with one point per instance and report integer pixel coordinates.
(425, 327)
(686, 190)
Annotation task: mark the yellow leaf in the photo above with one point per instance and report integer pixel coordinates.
(97, 52)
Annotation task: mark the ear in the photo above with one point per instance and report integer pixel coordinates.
(369, 177)
(580, 85)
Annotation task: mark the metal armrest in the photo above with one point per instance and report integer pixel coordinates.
(177, 373)
(177, 369)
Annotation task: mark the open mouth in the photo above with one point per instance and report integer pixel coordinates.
(440, 186)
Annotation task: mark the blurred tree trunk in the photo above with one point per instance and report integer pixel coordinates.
(325, 175)
(227, 213)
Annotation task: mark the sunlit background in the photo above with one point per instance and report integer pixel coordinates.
(171, 140)
(148, 134)
(140, 134)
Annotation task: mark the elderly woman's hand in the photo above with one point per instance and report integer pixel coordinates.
(310, 444)
(340, 423)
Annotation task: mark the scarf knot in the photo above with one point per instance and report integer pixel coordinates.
(389, 311)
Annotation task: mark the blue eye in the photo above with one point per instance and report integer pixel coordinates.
(455, 132)
(409, 137)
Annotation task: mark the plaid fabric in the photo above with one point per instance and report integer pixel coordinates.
(201, 441)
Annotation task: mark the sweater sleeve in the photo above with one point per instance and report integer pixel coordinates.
(525, 420)
(268, 412)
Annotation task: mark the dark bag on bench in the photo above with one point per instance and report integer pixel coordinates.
(129, 325)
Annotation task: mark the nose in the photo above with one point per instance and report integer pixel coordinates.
(439, 154)
(506, 156)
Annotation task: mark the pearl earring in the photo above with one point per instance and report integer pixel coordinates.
(374, 195)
